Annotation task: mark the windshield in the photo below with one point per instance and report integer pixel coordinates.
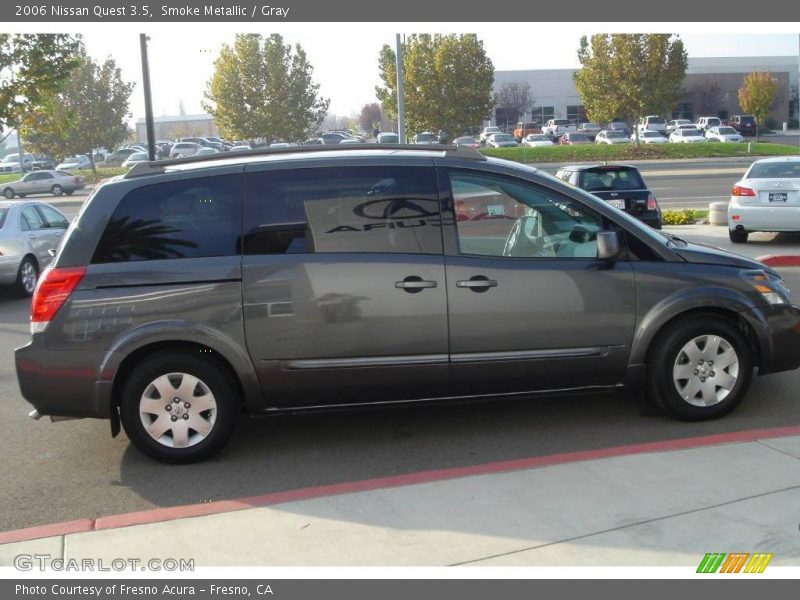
(578, 137)
(656, 120)
(775, 170)
(492, 129)
(651, 134)
(606, 179)
(503, 137)
(538, 138)
(615, 134)
(747, 120)
(727, 130)
(425, 137)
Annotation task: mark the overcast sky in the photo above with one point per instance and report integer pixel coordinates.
(344, 56)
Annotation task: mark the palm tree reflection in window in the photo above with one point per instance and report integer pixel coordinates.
(139, 239)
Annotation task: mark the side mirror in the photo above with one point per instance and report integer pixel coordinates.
(607, 245)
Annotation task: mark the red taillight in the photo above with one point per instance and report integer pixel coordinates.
(53, 288)
(739, 190)
(651, 202)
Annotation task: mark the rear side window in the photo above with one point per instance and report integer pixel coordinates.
(179, 219)
(343, 209)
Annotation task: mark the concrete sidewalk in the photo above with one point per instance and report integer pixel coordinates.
(658, 504)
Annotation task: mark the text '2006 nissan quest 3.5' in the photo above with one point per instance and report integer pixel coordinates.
(190, 291)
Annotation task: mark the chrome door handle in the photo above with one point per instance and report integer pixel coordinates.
(414, 283)
(478, 283)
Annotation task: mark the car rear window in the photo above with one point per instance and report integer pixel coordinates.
(656, 120)
(605, 179)
(178, 219)
(561, 122)
(747, 120)
(775, 170)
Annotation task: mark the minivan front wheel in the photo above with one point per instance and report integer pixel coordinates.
(699, 368)
(179, 408)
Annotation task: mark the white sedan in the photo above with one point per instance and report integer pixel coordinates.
(611, 136)
(650, 137)
(723, 133)
(766, 199)
(535, 140)
(686, 136)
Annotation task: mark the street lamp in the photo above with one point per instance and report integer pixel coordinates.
(148, 101)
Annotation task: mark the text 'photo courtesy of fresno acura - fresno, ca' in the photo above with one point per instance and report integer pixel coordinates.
(194, 291)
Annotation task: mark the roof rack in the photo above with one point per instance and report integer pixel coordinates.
(160, 166)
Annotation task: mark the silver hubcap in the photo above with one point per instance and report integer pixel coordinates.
(28, 277)
(178, 410)
(706, 370)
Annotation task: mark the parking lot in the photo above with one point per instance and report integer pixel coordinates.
(63, 471)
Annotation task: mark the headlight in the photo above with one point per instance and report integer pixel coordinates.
(771, 287)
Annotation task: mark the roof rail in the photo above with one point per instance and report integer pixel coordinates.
(160, 166)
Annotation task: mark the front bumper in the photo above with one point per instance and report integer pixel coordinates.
(778, 331)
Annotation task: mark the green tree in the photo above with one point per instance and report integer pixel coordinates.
(32, 66)
(447, 82)
(757, 94)
(262, 87)
(630, 75)
(90, 111)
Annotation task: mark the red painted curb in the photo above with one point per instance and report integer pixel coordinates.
(196, 510)
(779, 260)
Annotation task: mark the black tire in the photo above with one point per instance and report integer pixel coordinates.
(56, 190)
(69, 192)
(211, 376)
(737, 236)
(667, 352)
(24, 285)
(21, 195)
(8, 193)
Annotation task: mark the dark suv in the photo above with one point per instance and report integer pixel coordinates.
(190, 291)
(744, 124)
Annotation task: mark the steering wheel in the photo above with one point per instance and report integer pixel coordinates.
(513, 238)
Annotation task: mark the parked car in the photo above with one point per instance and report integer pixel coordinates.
(744, 124)
(388, 137)
(73, 163)
(184, 149)
(536, 140)
(242, 147)
(29, 231)
(573, 139)
(501, 140)
(650, 137)
(705, 123)
(138, 157)
(767, 198)
(466, 141)
(622, 186)
(44, 182)
(687, 136)
(555, 128)
(723, 133)
(612, 136)
(426, 137)
(652, 123)
(119, 156)
(590, 130)
(216, 308)
(312, 142)
(619, 125)
(43, 162)
(487, 131)
(525, 128)
(204, 152)
(10, 163)
(331, 138)
(676, 124)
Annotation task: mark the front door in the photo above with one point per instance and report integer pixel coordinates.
(530, 306)
(343, 284)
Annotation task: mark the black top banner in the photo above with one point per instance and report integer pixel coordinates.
(452, 11)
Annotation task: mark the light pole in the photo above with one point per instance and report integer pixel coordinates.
(401, 107)
(148, 102)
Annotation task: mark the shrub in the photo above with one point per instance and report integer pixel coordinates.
(678, 217)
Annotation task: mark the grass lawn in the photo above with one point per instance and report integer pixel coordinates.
(103, 173)
(592, 152)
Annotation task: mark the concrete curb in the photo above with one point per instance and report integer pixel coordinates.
(159, 515)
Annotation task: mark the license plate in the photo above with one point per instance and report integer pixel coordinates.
(778, 196)
(617, 203)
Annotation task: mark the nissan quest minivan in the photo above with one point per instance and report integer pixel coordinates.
(192, 291)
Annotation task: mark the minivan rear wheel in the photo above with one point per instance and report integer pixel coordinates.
(699, 368)
(179, 408)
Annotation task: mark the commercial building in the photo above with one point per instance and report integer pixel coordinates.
(710, 88)
(170, 127)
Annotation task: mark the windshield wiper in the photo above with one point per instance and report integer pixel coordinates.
(673, 238)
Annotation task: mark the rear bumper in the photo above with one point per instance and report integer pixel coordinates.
(62, 383)
(763, 218)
